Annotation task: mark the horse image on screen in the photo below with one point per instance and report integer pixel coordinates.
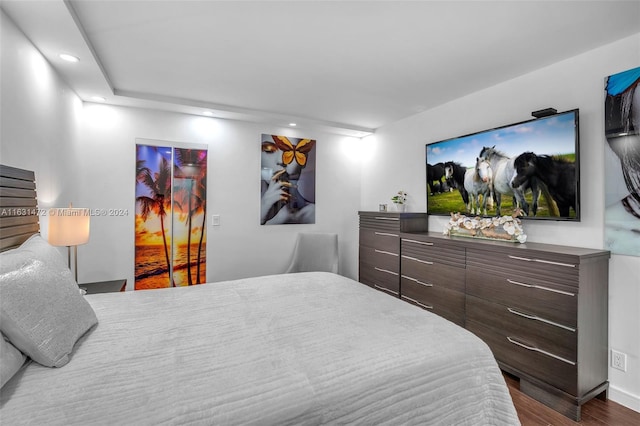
(531, 167)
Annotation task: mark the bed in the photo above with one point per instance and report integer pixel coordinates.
(305, 348)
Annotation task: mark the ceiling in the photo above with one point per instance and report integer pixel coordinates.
(347, 67)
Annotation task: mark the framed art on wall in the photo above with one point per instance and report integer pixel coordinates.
(622, 163)
(288, 180)
(170, 229)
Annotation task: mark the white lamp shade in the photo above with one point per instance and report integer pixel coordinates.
(69, 226)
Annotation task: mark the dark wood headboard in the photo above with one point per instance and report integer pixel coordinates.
(18, 206)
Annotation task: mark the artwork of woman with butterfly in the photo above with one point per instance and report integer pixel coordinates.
(288, 185)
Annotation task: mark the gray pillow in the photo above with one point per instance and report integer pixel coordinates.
(44, 251)
(11, 360)
(41, 311)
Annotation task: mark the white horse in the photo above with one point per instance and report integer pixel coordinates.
(504, 172)
(478, 181)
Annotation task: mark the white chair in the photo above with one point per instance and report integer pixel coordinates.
(315, 252)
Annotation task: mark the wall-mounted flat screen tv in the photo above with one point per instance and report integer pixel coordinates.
(532, 166)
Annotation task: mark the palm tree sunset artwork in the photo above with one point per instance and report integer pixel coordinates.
(170, 228)
(189, 214)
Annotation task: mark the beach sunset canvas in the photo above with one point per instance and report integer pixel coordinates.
(170, 229)
(189, 216)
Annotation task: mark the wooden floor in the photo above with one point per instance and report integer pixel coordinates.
(594, 412)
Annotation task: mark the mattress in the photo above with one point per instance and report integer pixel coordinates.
(295, 349)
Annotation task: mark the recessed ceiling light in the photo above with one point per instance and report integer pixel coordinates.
(98, 98)
(208, 113)
(69, 58)
(292, 124)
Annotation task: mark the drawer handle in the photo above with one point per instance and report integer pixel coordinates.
(418, 260)
(417, 281)
(533, 348)
(424, 243)
(385, 289)
(387, 218)
(385, 270)
(537, 318)
(386, 234)
(385, 252)
(417, 303)
(539, 287)
(526, 259)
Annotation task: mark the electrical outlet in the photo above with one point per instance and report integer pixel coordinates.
(618, 360)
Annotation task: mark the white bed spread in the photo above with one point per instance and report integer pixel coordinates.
(310, 348)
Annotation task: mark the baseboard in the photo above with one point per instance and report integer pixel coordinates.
(625, 398)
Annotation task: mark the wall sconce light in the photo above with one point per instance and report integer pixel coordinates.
(69, 227)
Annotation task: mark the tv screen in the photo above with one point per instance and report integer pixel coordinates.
(532, 165)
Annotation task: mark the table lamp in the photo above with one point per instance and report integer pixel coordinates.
(69, 227)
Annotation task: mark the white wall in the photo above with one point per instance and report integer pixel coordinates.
(240, 246)
(40, 119)
(398, 162)
(85, 154)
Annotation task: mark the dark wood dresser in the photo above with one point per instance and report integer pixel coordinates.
(541, 308)
(379, 264)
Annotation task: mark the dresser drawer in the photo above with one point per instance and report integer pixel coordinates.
(380, 223)
(455, 318)
(434, 251)
(555, 338)
(431, 297)
(531, 265)
(548, 300)
(433, 273)
(382, 279)
(394, 222)
(380, 258)
(526, 357)
(385, 241)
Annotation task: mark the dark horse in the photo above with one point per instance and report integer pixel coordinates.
(503, 173)
(435, 174)
(557, 174)
(454, 172)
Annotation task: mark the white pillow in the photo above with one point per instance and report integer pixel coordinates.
(11, 360)
(44, 251)
(41, 311)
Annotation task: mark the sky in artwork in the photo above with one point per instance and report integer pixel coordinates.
(554, 135)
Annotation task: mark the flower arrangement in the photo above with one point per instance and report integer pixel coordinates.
(400, 197)
(507, 228)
